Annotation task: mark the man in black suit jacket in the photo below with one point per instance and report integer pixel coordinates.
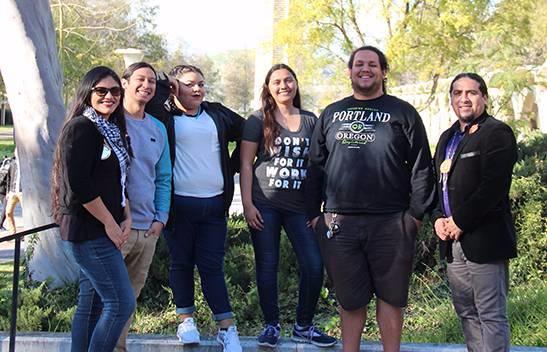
(474, 162)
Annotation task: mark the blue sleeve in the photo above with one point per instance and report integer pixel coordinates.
(162, 196)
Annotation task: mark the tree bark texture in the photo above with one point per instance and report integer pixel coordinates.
(32, 76)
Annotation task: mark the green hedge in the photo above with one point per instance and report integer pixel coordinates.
(429, 317)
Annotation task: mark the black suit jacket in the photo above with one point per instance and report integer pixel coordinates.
(478, 188)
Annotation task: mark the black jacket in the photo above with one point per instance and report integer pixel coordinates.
(229, 127)
(478, 187)
(86, 175)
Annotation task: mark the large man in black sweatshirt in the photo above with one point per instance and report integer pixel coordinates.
(370, 167)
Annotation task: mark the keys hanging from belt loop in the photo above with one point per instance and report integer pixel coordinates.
(334, 228)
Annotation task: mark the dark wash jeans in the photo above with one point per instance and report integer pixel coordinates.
(198, 239)
(106, 299)
(266, 248)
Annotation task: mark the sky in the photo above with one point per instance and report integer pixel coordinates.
(210, 26)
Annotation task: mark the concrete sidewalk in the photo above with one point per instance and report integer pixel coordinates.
(39, 342)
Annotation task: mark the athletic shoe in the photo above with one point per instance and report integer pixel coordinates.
(269, 336)
(310, 334)
(187, 332)
(229, 339)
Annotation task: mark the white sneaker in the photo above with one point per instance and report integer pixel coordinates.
(187, 332)
(229, 339)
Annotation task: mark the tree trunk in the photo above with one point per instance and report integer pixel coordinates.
(32, 76)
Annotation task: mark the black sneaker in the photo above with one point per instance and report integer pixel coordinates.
(313, 335)
(269, 337)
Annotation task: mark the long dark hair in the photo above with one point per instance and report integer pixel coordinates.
(82, 100)
(271, 130)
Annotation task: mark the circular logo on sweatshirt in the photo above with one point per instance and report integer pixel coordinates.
(357, 126)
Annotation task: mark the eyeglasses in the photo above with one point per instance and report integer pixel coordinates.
(103, 91)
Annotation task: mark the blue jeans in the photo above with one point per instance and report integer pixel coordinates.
(106, 299)
(304, 244)
(198, 239)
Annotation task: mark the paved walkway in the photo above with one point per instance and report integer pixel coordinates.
(6, 248)
(39, 342)
(6, 134)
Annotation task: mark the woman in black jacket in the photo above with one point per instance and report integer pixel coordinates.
(203, 185)
(89, 204)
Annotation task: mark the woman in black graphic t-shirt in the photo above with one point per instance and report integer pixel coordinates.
(278, 136)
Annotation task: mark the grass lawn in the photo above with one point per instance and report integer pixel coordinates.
(6, 142)
(6, 148)
(6, 284)
(6, 270)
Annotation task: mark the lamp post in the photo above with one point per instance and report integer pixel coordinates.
(130, 55)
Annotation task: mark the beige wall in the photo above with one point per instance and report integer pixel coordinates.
(529, 104)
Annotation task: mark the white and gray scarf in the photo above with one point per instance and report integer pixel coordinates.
(113, 137)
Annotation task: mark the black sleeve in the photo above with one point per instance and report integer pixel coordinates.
(436, 210)
(318, 156)
(253, 129)
(156, 106)
(234, 123)
(419, 158)
(80, 152)
(498, 155)
(9, 175)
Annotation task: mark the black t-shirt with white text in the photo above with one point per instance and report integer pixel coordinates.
(278, 179)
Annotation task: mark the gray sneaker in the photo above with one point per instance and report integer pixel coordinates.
(229, 339)
(187, 332)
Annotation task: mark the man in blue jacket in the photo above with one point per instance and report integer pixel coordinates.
(148, 179)
(474, 163)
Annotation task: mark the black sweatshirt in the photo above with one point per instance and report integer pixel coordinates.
(369, 157)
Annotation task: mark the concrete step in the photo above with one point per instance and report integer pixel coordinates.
(52, 342)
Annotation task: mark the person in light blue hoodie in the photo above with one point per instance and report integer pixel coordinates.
(148, 180)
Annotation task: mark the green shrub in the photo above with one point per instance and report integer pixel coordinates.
(527, 309)
(240, 275)
(429, 318)
(529, 206)
(40, 308)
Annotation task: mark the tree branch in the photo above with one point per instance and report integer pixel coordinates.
(353, 20)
